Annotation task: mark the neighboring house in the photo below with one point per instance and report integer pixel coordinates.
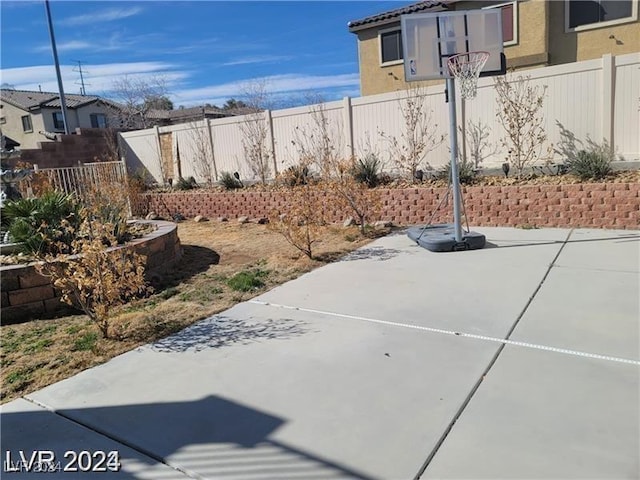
(24, 114)
(186, 115)
(536, 33)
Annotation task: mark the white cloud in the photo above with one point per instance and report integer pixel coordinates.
(101, 16)
(258, 59)
(99, 78)
(66, 46)
(274, 84)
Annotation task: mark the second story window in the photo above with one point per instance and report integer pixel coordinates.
(390, 46)
(586, 14)
(58, 123)
(509, 22)
(26, 124)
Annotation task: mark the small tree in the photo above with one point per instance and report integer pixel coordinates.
(419, 133)
(255, 131)
(301, 221)
(520, 112)
(478, 146)
(202, 153)
(350, 194)
(94, 278)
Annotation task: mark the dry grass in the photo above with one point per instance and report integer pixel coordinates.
(39, 353)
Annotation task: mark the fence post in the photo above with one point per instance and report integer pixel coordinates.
(213, 152)
(272, 141)
(608, 98)
(348, 126)
(156, 130)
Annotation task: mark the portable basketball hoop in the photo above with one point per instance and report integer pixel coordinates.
(463, 46)
(466, 68)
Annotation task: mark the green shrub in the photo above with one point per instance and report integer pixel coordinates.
(229, 182)
(247, 280)
(38, 222)
(188, 183)
(587, 165)
(367, 170)
(86, 343)
(466, 173)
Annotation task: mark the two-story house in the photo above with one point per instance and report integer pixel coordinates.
(536, 33)
(24, 114)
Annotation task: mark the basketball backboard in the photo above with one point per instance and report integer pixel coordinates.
(429, 39)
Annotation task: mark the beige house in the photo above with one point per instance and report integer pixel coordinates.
(536, 33)
(24, 114)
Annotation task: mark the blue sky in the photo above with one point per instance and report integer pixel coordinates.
(207, 51)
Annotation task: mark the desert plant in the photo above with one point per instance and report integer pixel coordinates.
(300, 221)
(37, 222)
(295, 175)
(93, 276)
(590, 165)
(367, 170)
(521, 114)
(466, 173)
(188, 183)
(202, 152)
(590, 161)
(229, 181)
(419, 133)
(247, 280)
(479, 148)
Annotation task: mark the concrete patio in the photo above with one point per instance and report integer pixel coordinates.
(521, 360)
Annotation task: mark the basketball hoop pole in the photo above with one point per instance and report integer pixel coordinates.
(453, 146)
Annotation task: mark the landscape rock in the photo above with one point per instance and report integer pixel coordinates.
(152, 216)
(380, 224)
(223, 219)
(348, 222)
(243, 219)
(200, 218)
(178, 217)
(262, 221)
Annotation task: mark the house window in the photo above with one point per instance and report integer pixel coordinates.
(26, 124)
(98, 120)
(588, 14)
(58, 122)
(390, 46)
(509, 22)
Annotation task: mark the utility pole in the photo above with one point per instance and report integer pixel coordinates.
(63, 103)
(83, 91)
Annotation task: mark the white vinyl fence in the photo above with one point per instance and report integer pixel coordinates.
(597, 99)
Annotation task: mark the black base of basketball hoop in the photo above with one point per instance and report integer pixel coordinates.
(441, 238)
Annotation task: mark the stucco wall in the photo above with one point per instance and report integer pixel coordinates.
(565, 47)
(13, 126)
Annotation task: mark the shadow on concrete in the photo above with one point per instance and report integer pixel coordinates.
(213, 437)
(618, 239)
(221, 331)
(369, 253)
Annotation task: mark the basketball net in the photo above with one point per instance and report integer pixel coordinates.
(466, 68)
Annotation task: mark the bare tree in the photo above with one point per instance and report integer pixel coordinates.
(202, 152)
(419, 133)
(137, 97)
(478, 146)
(521, 115)
(255, 131)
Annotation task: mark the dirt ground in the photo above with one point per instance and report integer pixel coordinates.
(39, 353)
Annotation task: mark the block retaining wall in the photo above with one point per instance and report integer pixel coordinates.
(27, 295)
(592, 205)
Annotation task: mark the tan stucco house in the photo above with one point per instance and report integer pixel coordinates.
(24, 114)
(536, 33)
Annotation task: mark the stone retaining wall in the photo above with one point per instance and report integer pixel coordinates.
(599, 205)
(27, 295)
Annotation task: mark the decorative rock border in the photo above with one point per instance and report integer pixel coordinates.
(27, 295)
